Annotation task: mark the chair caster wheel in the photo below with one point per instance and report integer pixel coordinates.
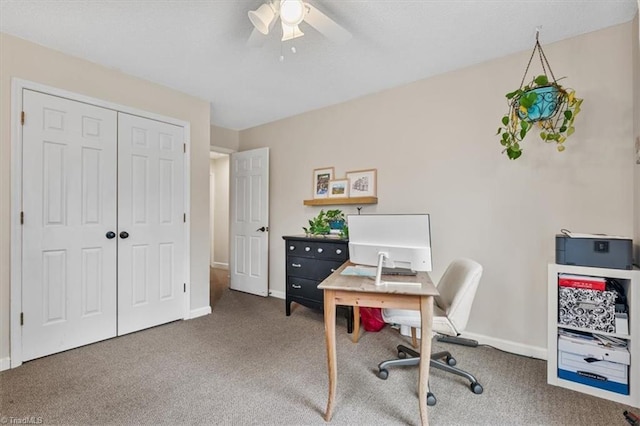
(401, 355)
(431, 399)
(476, 388)
(383, 374)
(451, 361)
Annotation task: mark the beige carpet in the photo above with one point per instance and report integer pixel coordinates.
(247, 363)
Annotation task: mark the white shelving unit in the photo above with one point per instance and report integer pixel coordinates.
(631, 282)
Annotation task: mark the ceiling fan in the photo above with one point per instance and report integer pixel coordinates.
(292, 13)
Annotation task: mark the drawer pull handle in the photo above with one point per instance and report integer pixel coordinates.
(307, 249)
(338, 251)
(296, 265)
(320, 250)
(292, 247)
(333, 270)
(296, 286)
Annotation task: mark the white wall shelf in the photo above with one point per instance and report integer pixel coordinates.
(631, 282)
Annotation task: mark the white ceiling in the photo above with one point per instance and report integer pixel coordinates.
(199, 47)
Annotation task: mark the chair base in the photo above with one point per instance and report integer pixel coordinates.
(440, 360)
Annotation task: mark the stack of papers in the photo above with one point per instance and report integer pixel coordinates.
(592, 338)
(370, 271)
(359, 271)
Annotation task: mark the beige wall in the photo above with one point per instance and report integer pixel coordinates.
(225, 138)
(434, 145)
(220, 210)
(25, 60)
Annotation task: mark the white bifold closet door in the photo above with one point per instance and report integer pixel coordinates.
(103, 232)
(69, 204)
(151, 212)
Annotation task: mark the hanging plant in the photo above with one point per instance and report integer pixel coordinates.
(541, 103)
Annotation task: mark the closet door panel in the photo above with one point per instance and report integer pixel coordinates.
(150, 223)
(69, 204)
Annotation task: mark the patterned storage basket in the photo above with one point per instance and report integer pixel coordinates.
(592, 309)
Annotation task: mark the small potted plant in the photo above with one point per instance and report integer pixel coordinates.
(318, 225)
(331, 221)
(336, 220)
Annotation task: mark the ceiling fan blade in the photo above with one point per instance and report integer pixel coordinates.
(325, 25)
(256, 39)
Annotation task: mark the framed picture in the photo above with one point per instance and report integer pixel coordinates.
(363, 183)
(321, 178)
(339, 188)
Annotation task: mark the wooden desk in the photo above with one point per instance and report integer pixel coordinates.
(361, 291)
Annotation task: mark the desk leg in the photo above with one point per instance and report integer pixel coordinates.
(356, 324)
(330, 336)
(426, 320)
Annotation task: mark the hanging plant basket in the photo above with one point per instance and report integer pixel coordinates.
(542, 107)
(543, 103)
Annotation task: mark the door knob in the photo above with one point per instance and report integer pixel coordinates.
(110, 235)
(263, 229)
(124, 235)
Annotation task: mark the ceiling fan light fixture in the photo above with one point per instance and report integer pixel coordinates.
(292, 12)
(290, 32)
(263, 17)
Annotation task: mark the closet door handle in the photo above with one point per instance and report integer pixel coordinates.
(124, 234)
(110, 235)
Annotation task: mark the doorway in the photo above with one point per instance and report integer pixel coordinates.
(219, 223)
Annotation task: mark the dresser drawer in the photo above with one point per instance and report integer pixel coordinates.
(302, 287)
(311, 268)
(318, 250)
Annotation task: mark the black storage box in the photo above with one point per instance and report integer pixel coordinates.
(614, 253)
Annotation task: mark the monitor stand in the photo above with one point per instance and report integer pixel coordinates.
(381, 256)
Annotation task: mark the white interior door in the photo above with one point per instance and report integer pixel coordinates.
(249, 217)
(69, 206)
(151, 262)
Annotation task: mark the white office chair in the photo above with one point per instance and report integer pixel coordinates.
(451, 310)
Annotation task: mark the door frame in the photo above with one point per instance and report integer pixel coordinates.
(228, 152)
(17, 86)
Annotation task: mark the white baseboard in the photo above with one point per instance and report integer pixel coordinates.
(509, 346)
(277, 294)
(200, 312)
(5, 363)
(505, 345)
(220, 265)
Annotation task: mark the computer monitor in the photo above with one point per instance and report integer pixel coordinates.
(390, 240)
